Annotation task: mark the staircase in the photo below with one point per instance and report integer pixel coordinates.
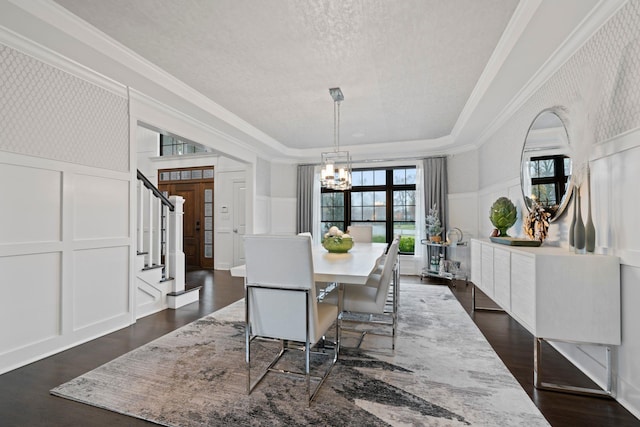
(160, 261)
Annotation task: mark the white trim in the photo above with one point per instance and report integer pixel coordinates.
(49, 57)
(63, 20)
(461, 196)
(598, 16)
(618, 144)
(500, 186)
(517, 25)
(145, 109)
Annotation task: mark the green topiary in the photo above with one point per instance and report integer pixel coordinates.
(503, 215)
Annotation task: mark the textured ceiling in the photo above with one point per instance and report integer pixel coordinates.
(406, 68)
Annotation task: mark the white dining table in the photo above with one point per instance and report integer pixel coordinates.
(353, 267)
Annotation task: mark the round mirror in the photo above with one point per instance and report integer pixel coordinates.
(545, 169)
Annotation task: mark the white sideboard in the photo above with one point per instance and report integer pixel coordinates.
(552, 292)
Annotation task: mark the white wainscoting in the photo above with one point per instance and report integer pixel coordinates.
(100, 285)
(101, 207)
(31, 291)
(64, 256)
(35, 193)
(283, 215)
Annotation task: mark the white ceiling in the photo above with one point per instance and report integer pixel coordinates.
(432, 74)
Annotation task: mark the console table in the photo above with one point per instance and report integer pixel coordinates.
(556, 295)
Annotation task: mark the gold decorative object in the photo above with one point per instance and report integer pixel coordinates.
(536, 223)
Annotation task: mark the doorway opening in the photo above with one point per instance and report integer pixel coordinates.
(195, 185)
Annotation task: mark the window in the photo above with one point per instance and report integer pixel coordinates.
(171, 146)
(549, 177)
(382, 198)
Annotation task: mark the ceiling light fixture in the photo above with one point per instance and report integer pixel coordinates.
(336, 164)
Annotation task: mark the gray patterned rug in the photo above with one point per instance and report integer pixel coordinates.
(442, 373)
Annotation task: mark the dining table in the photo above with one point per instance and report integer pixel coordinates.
(353, 267)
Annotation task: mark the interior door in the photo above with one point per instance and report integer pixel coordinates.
(239, 221)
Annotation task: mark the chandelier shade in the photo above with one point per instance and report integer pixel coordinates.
(336, 164)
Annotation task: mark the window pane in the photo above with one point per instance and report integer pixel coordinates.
(356, 178)
(411, 197)
(356, 213)
(356, 199)
(367, 198)
(381, 213)
(545, 193)
(326, 213)
(367, 177)
(411, 176)
(380, 177)
(398, 198)
(367, 213)
(398, 213)
(410, 213)
(380, 198)
(399, 177)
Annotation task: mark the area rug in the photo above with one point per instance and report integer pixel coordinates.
(443, 372)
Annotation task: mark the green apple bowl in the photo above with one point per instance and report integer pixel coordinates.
(338, 245)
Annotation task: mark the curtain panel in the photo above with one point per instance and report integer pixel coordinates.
(305, 199)
(436, 189)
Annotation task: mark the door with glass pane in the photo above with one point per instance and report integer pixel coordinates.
(196, 187)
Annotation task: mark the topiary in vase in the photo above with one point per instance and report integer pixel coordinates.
(503, 215)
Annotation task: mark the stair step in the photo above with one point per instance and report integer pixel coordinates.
(166, 279)
(152, 267)
(186, 291)
(142, 253)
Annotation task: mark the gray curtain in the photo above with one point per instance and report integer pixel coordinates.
(435, 189)
(304, 208)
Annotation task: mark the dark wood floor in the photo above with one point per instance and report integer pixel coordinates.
(25, 398)
(514, 345)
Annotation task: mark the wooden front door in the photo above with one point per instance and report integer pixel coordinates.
(198, 215)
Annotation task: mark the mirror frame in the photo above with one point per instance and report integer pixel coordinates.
(559, 113)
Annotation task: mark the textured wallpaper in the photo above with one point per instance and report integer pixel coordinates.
(46, 112)
(598, 89)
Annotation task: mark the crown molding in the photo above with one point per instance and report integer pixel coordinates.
(41, 53)
(516, 26)
(598, 16)
(68, 23)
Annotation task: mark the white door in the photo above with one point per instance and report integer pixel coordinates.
(239, 221)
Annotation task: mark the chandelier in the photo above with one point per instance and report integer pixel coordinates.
(336, 164)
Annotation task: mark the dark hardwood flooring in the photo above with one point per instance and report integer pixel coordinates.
(25, 398)
(514, 345)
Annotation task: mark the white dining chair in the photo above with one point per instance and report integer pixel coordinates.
(368, 303)
(322, 288)
(361, 233)
(281, 303)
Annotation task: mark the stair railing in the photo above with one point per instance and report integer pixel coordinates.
(159, 231)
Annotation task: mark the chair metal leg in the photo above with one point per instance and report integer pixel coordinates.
(284, 347)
